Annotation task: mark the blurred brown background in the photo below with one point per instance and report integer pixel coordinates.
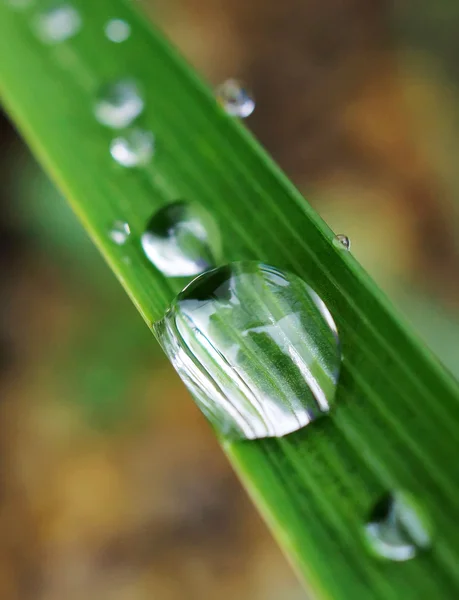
(111, 485)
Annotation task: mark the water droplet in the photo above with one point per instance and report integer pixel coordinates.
(397, 528)
(134, 148)
(235, 99)
(342, 241)
(58, 24)
(256, 347)
(119, 103)
(181, 239)
(120, 232)
(117, 30)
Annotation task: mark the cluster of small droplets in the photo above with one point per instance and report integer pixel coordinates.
(118, 103)
(63, 21)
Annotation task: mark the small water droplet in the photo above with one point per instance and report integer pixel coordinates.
(235, 99)
(256, 347)
(58, 24)
(120, 232)
(181, 239)
(342, 241)
(397, 528)
(117, 30)
(134, 148)
(119, 103)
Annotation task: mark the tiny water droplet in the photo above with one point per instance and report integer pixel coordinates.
(134, 148)
(119, 103)
(58, 24)
(117, 30)
(235, 99)
(342, 241)
(397, 528)
(181, 239)
(256, 347)
(120, 232)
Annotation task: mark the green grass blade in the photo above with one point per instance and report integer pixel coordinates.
(395, 422)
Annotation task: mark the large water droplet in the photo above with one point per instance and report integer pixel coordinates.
(58, 24)
(120, 232)
(134, 148)
(397, 529)
(119, 103)
(342, 241)
(181, 239)
(256, 347)
(117, 30)
(235, 99)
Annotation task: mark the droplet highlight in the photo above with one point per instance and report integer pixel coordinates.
(120, 232)
(117, 30)
(181, 240)
(58, 24)
(134, 148)
(235, 99)
(342, 241)
(119, 104)
(256, 347)
(397, 529)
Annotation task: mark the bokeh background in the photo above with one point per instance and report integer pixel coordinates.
(111, 484)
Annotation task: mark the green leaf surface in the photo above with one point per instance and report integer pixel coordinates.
(395, 422)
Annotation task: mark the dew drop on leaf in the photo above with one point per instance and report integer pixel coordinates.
(257, 348)
(181, 240)
(235, 99)
(58, 24)
(120, 232)
(342, 241)
(133, 147)
(117, 30)
(397, 528)
(119, 103)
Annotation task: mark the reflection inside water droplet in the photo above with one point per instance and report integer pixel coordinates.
(397, 528)
(119, 103)
(256, 347)
(342, 241)
(235, 99)
(120, 232)
(58, 24)
(134, 148)
(181, 239)
(117, 30)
